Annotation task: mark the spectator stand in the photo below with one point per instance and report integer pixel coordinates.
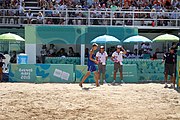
(127, 13)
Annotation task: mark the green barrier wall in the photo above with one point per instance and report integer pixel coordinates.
(41, 73)
(61, 60)
(129, 73)
(67, 60)
(135, 70)
(148, 70)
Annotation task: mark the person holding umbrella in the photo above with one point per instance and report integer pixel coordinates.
(91, 65)
(101, 57)
(1, 65)
(117, 58)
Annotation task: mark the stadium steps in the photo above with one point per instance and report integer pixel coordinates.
(33, 5)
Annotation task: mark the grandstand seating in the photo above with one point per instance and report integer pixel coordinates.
(69, 13)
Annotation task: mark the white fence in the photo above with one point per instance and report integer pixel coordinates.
(12, 17)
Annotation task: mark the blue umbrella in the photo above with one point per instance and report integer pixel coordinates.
(137, 39)
(105, 39)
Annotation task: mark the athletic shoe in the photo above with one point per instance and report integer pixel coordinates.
(122, 82)
(80, 84)
(171, 87)
(97, 85)
(114, 82)
(166, 86)
(101, 83)
(104, 81)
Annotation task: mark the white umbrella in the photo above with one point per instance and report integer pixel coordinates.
(105, 39)
(137, 39)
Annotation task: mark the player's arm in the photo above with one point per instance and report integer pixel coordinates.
(97, 56)
(112, 57)
(124, 51)
(164, 58)
(90, 57)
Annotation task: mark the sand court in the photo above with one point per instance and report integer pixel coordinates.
(25, 101)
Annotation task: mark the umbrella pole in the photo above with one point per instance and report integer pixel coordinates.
(9, 48)
(137, 49)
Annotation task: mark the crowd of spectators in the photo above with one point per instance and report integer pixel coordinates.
(52, 51)
(77, 14)
(144, 51)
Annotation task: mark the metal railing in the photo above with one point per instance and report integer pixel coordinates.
(11, 17)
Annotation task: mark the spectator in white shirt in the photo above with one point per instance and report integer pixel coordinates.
(29, 17)
(101, 57)
(40, 18)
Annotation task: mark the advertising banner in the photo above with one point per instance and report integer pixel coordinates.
(41, 73)
(129, 73)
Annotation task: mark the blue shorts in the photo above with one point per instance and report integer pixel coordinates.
(91, 68)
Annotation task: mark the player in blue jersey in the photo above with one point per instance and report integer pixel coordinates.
(91, 65)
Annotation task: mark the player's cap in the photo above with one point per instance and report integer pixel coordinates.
(94, 44)
(101, 47)
(119, 46)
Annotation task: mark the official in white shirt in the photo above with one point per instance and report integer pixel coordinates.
(117, 58)
(101, 57)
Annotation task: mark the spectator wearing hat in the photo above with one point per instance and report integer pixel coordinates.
(117, 58)
(101, 57)
(170, 67)
(128, 54)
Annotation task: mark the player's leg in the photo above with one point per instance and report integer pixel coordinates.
(96, 76)
(1, 74)
(104, 73)
(121, 73)
(114, 81)
(172, 73)
(172, 81)
(104, 77)
(99, 72)
(115, 71)
(166, 75)
(84, 78)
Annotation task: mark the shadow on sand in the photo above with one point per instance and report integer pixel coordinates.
(87, 88)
